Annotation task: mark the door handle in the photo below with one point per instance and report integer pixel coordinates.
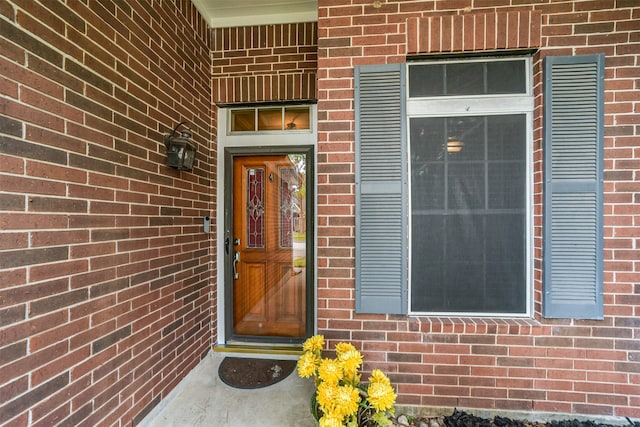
(236, 260)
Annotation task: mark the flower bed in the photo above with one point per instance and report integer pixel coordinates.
(464, 419)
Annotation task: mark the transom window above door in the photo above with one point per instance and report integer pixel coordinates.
(270, 118)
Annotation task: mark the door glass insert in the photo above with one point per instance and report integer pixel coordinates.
(255, 207)
(288, 186)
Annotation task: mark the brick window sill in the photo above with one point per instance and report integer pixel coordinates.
(471, 325)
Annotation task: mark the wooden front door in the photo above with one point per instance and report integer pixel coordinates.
(269, 246)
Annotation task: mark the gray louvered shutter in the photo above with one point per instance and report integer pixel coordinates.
(381, 189)
(573, 134)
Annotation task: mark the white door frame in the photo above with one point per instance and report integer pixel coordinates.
(227, 139)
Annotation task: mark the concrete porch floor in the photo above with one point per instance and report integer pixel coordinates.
(202, 399)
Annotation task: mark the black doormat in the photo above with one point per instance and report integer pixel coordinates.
(240, 372)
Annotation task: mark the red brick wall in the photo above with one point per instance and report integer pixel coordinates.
(562, 366)
(470, 32)
(105, 280)
(266, 63)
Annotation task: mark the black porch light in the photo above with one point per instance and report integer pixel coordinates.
(181, 151)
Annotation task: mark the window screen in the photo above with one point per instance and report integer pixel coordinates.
(467, 78)
(468, 199)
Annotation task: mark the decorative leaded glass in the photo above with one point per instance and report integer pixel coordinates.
(288, 179)
(255, 208)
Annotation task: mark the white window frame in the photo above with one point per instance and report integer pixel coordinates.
(480, 105)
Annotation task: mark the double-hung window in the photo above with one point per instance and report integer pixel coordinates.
(469, 131)
(444, 190)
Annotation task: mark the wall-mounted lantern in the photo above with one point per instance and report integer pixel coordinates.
(181, 151)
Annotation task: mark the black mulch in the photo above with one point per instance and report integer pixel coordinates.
(463, 419)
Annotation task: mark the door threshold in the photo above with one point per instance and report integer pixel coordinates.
(259, 350)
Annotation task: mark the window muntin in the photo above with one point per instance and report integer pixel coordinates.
(469, 190)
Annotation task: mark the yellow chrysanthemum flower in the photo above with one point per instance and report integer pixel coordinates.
(326, 396)
(338, 394)
(343, 347)
(347, 399)
(315, 343)
(307, 365)
(330, 371)
(377, 376)
(331, 421)
(381, 396)
(351, 361)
